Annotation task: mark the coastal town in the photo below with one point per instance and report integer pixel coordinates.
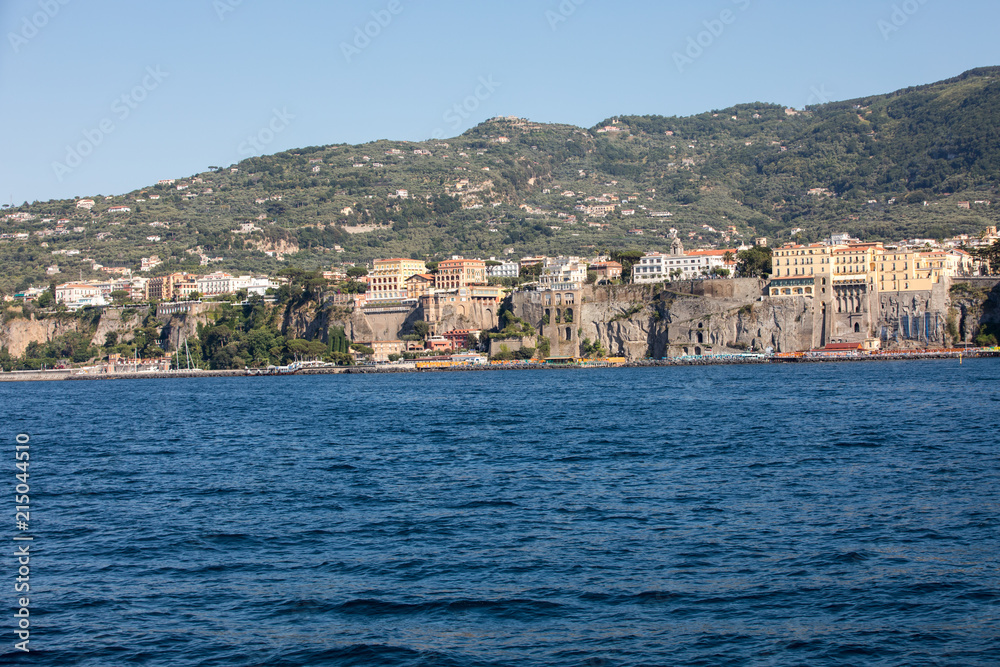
(459, 302)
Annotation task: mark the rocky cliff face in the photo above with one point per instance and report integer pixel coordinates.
(974, 304)
(726, 316)
(635, 322)
(685, 319)
(16, 334)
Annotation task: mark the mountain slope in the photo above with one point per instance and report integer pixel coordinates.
(510, 185)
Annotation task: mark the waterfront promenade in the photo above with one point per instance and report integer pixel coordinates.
(799, 357)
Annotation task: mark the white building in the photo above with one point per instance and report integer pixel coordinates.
(149, 263)
(505, 269)
(657, 267)
(215, 283)
(253, 285)
(563, 273)
(78, 295)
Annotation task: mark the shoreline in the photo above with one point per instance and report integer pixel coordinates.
(70, 374)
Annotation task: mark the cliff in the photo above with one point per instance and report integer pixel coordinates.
(17, 333)
(726, 316)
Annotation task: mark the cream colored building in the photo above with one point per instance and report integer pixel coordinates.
(387, 281)
(456, 273)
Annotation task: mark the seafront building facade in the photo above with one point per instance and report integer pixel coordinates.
(813, 270)
(387, 280)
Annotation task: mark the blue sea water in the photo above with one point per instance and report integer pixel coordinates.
(813, 514)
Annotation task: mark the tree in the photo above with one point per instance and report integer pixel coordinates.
(110, 339)
(45, 299)
(544, 347)
(627, 258)
(353, 287)
(532, 272)
(421, 328)
(593, 349)
(120, 296)
(357, 272)
(990, 257)
(306, 349)
(363, 349)
(754, 263)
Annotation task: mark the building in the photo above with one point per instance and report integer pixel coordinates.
(335, 275)
(563, 273)
(438, 343)
(651, 268)
(72, 294)
(186, 286)
(456, 273)
(418, 285)
(459, 337)
(385, 348)
(215, 283)
(530, 261)
(484, 293)
(657, 267)
(607, 271)
(164, 288)
(149, 263)
(387, 280)
(715, 260)
(258, 286)
(503, 269)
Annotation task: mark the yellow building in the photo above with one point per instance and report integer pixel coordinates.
(795, 269)
(418, 285)
(810, 270)
(387, 281)
(899, 271)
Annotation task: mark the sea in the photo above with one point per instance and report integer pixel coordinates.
(798, 514)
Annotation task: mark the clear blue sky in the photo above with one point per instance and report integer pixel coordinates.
(227, 70)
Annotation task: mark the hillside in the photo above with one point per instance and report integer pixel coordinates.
(508, 185)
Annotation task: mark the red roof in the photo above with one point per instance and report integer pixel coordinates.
(842, 347)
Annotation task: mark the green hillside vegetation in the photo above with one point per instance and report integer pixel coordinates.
(750, 167)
